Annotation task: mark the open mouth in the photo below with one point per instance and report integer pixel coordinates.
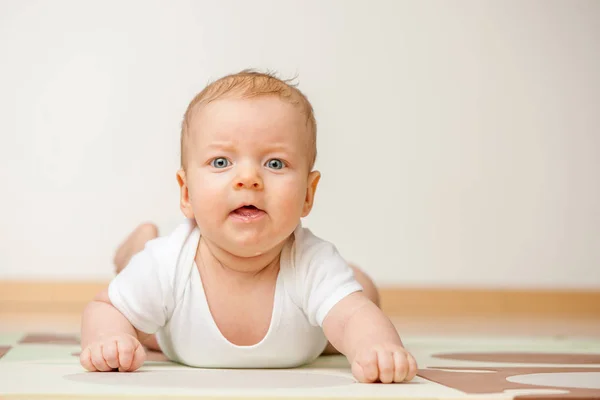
(247, 213)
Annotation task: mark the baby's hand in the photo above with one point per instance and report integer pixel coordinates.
(123, 352)
(384, 363)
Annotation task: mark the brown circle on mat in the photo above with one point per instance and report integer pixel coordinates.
(494, 380)
(524, 358)
(4, 350)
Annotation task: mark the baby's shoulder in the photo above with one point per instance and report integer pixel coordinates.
(319, 276)
(308, 248)
(167, 250)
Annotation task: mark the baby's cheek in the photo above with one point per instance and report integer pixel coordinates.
(206, 201)
(208, 189)
(289, 200)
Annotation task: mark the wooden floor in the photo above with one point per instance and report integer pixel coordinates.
(57, 306)
(413, 325)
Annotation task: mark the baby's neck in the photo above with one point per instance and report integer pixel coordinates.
(212, 259)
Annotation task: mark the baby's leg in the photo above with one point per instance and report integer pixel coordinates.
(369, 290)
(135, 243)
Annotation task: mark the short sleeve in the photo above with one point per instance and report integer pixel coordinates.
(326, 278)
(142, 290)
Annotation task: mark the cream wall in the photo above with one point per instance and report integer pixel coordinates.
(459, 141)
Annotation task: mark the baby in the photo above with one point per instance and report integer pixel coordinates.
(241, 283)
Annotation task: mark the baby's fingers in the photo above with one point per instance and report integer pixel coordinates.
(365, 368)
(139, 356)
(85, 358)
(412, 367)
(110, 354)
(386, 366)
(400, 366)
(126, 350)
(98, 359)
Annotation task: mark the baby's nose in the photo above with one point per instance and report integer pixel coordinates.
(249, 185)
(248, 178)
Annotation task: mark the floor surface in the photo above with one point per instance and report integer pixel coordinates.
(459, 358)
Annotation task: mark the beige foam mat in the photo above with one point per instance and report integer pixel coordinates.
(46, 366)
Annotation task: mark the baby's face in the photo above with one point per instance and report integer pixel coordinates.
(248, 174)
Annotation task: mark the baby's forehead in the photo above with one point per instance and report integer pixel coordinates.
(257, 104)
(257, 116)
(253, 124)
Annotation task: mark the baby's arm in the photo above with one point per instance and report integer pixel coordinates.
(361, 331)
(108, 340)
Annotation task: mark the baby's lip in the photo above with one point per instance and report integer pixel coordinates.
(249, 206)
(247, 213)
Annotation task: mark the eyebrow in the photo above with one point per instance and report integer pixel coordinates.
(280, 147)
(230, 146)
(220, 145)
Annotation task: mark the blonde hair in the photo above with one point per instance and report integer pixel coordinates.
(248, 84)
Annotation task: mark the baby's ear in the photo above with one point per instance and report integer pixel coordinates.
(184, 195)
(313, 181)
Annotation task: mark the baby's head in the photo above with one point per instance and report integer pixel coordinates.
(248, 146)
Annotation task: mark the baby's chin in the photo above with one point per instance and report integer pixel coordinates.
(249, 243)
(248, 251)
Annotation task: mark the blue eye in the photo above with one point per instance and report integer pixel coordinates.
(275, 163)
(220, 162)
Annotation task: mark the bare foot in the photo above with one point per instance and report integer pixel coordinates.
(134, 243)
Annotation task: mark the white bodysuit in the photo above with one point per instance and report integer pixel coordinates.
(160, 291)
